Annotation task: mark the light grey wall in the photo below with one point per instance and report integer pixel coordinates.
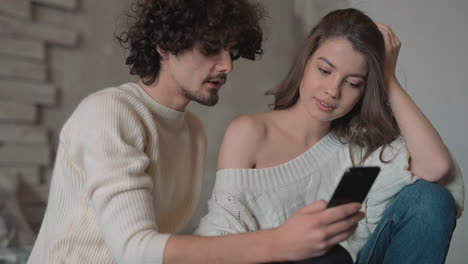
(433, 65)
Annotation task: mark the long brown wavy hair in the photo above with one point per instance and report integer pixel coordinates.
(370, 124)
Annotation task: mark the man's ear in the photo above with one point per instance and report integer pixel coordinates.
(162, 53)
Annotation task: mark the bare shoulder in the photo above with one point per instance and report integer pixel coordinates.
(248, 127)
(243, 138)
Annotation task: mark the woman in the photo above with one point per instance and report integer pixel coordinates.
(340, 105)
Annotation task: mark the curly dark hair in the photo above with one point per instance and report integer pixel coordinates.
(176, 25)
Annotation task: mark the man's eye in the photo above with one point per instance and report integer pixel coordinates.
(211, 51)
(235, 54)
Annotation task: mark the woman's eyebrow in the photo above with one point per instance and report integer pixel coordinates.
(363, 76)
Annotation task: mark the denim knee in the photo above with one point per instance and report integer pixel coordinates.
(417, 227)
(429, 199)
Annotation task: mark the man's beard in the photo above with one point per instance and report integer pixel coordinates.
(198, 97)
(212, 97)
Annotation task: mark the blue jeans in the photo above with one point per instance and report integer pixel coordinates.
(416, 228)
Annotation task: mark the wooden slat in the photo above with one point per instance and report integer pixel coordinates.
(26, 175)
(23, 69)
(11, 111)
(40, 31)
(13, 154)
(35, 227)
(28, 92)
(67, 4)
(21, 8)
(31, 49)
(47, 175)
(30, 175)
(33, 193)
(23, 134)
(34, 213)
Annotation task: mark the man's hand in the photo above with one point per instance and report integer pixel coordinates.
(313, 230)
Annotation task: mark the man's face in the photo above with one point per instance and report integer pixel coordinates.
(198, 76)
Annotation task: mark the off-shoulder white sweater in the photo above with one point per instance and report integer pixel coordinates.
(128, 173)
(245, 200)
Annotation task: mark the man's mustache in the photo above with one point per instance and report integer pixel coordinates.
(220, 76)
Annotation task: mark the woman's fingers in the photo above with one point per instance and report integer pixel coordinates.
(342, 230)
(340, 237)
(392, 49)
(339, 213)
(389, 36)
(314, 207)
(386, 35)
(345, 225)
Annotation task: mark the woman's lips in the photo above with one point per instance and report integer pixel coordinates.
(324, 105)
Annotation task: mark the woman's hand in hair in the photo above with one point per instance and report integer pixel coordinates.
(392, 49)
(430, 159)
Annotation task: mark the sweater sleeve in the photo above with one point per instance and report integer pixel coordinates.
(394, 176)
(454, 183)
(228, 213)
(113, 140)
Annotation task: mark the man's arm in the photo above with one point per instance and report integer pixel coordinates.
(310, 232)
(117, 186)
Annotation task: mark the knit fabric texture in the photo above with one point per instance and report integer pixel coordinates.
(128, 173)
(246, 200)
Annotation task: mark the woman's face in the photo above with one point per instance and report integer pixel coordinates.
(333, 81)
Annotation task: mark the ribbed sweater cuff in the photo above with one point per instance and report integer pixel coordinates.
(154, 252)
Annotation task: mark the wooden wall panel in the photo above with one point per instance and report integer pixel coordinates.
(23, 69)
(20, 8)
(29, 49)
(27, 175)
(49, 33)
(25, 151)
(28, 92)
(23, 134)
(33, 193)
(67, 4)
(14, 154)
(17, 112)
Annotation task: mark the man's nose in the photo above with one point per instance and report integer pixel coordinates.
(225, 64)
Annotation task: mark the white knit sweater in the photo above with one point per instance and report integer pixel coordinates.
(128, 173)
(246, 200)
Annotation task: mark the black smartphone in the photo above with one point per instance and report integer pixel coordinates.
(354, 185)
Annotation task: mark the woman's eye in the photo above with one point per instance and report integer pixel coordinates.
(322, 70)
(354, 85)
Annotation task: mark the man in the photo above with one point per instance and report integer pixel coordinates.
(130, 159)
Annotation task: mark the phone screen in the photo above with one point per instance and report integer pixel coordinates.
(354, 185)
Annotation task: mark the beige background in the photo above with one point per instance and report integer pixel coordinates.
(433, 65)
